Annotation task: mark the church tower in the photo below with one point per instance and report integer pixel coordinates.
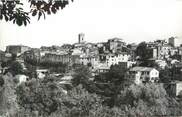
(81, 38)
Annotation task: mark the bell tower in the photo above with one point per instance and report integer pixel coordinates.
(81, 38)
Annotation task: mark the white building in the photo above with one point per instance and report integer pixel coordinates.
(144, 74)
(165, 50)
(100, 68)
(93, 60)
(174, 88)
(21, 78)
(175, 41)
(162, 63)
(77, 51)
(113, 59)
(41, 73)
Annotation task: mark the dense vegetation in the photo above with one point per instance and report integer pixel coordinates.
(108, 95)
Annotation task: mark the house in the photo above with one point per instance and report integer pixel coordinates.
(113, 59)
(77, 51)
(89, 45)
(75, 59)
(17, 49)
(161, 63)
(100, 44)
(153, 53)
(67, 46)
(1, 70)
(89, 60)
(33, 54)
(100, 68)
(41, 73)
(21, 78)
(174, 88)
(165, 51)
(57, 57)
(115, 43)
(175, 41)
(7, 57)
(144, 74)
(176, 70)
(2, 56)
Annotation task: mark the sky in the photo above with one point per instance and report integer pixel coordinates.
(100, 20)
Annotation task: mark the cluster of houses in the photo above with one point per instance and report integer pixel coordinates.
(101, 56)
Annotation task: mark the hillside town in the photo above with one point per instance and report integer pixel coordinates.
(99, 57)
(110, 66)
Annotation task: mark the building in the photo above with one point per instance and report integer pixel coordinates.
(101, 44)
(21, 78)
(75, 60)
(114, 59)
(99, 69)
(161, 63)
(89, 60)
(115, 44)
(165, 51)
(41, 73)
(90, 45)
(176, 70)
(180, 52)
(33, 54)
(175, 41)
(76, 51)
(152, 52)
(1, 69)
(131, 50)
(2, 56)
(67, 46)
(174, 88)
(7, 57)
(144, 74)
(81, 38)
(56, 57)
(49, 48)
(17, 49)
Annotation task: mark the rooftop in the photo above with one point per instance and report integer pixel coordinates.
(141, 69)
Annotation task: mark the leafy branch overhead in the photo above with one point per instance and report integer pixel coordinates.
(13, 10)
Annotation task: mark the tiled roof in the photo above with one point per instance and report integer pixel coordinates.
(141, 69)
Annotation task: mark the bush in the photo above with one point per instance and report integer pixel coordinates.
(146, 100)
(39, 95)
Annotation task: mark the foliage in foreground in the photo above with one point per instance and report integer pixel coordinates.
(14, 10)
(47, 98)
(8, 102)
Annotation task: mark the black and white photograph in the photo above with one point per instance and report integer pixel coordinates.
(90, 58)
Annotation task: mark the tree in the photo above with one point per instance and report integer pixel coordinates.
(176, 56)
(1, 81)
(110, 84)
(81, 75)
(79, 103)
(39, 95)
(144, 100)
(13, 10)
(165, 75)
(16, 68)
(142, 51)
(8, 102)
